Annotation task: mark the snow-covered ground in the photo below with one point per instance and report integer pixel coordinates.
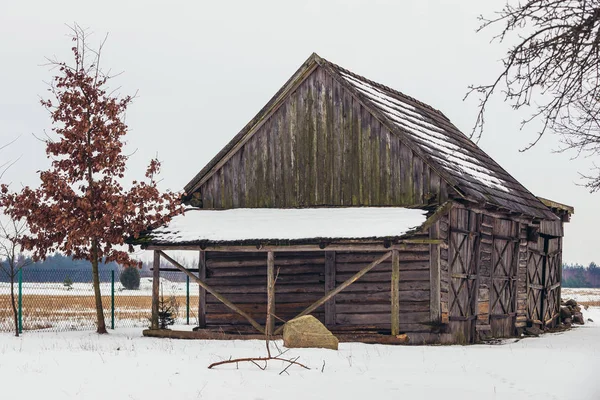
(125, 365)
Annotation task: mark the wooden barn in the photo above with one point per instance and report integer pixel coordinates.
(350, 201)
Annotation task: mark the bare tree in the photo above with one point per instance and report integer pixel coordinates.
(6, 164)
(554, 64)
(11, 258)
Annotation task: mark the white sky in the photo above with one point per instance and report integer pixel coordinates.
(204, 69)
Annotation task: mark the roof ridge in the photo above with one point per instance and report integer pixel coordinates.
(384, 87)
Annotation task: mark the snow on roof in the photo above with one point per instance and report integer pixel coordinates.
(199, 225)
(408, 118)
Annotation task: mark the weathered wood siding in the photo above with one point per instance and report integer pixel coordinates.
(302, 279)
(242, 278)
(322, 147)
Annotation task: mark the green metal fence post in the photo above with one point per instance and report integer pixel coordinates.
(187, 299)
(112, 299)
(20, 301)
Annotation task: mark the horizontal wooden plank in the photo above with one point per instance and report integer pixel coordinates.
(290, 288)
(252, 262)
(257, 279)
(384, 267)
(413, 306)
(383, 318)
(237, 298)
(261, 271)
(384, 286)
(412, 295)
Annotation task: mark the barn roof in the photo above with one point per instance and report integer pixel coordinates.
(472, 174)
(265, 224)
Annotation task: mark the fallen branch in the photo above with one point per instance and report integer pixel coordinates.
(272, 278)
(255, 359)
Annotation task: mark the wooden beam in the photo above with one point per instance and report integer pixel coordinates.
(155, 289)
(270, 324)
(441, 210)
(212, 291)
(398, 245)
(342, 286)
(329, 286)
(435, 276)
(395, 287)
(201, 290)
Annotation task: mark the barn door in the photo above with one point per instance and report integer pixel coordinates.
(535, 281)
(543, 280)
(503, 291)
(552, 270)
(463, 253)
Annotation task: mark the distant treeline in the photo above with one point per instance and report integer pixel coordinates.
(58, 267)
(578, 276)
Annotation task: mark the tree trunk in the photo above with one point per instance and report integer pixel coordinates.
(12, 300)
(97, 294)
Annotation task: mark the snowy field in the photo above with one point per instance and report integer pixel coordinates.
(125, 365)
(584, 295)
(85, 288)
(53, 306)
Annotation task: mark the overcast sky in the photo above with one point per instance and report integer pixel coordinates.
(204, 69)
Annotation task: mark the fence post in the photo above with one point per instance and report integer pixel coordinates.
(20, 301)
(112, 299)
(187, 299)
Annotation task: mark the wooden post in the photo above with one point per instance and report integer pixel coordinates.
(435, 312)
(212, 291)
(201, 290)
(342, 286)
(329, 286)
(395, 292)
(155, 289)
(270, 323)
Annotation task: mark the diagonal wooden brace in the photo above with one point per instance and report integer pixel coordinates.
(212, 291)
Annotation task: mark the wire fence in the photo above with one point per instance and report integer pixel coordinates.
(63, 300)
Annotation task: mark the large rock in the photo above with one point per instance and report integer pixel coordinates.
(578, 319)
(565, 313)
(571, 303)
(307, 331)
(533, 331)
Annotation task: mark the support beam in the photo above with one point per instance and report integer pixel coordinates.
(435, 300)
(342, 286)
(155, 289)
(395, 292)
(201, 290)
(270, 323)
(329, 286)
(350, 246)
(212, 291)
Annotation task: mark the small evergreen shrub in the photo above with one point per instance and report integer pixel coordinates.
(130, 278)
(68, 283)
(167, 311)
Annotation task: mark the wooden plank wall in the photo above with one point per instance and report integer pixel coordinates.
(321, 147)
(301, 280)
(242, 278)
(367, 303)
